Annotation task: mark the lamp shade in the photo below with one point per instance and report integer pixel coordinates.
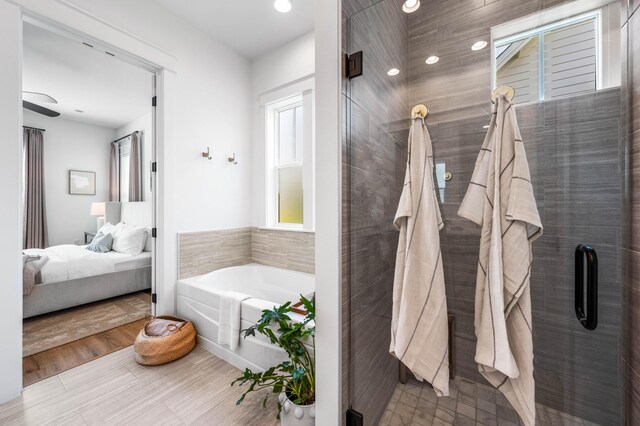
(97, 209)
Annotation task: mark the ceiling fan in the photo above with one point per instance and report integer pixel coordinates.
(28, 99)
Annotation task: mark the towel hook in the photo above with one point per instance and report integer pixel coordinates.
(232, 159)
(207, 154)
(419, 110)
(504, 89)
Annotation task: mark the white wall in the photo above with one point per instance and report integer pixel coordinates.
(274, 70)
(328, 212)
(210, 96)
(10, 208)
(71, 145)
(213, 95)
(143, 124)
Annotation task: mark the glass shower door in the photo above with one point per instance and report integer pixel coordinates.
(573, 144)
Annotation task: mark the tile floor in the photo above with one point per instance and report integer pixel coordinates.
(114, 390)
(468, 403)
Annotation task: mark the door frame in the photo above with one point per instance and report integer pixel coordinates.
(59, 14)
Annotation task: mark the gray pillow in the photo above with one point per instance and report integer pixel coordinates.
(101, 243)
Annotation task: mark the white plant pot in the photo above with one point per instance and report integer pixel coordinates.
(296, 415)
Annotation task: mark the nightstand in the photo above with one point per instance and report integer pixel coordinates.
(88, 236)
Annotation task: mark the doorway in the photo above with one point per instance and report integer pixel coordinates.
(89, 186)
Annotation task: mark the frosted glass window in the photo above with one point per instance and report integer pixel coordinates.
(290, 200)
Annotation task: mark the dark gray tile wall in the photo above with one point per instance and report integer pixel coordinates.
(374, 156)
(629, 342)
(573, 150)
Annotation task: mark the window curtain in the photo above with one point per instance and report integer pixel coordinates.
(35, 218)
(135, 166)
(114, 172)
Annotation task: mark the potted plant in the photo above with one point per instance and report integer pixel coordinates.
(293, 381)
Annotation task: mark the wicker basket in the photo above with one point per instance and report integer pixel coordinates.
(164, 339)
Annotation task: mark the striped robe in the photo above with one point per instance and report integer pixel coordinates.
(419, 327)
(500, 199)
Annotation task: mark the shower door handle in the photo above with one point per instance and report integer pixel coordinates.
(588, 319)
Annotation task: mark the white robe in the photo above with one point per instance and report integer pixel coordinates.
(500, 199)
(419, 328)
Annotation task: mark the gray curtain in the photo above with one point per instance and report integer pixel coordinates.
(114, 172)
(35, 217)
(135, 168)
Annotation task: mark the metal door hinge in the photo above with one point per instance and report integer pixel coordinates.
(154, 232)
(154, 101)
(354, 65)
(354, 418)
(154, 167)
(154, 298)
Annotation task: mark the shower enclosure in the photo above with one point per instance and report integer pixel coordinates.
(574, 125)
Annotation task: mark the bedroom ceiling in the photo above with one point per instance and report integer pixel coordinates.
(250, 27)
(109, 91)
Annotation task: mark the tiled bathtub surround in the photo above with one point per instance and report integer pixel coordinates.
(284, 249)
(202, 252)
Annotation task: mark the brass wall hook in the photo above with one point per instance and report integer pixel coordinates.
(232, 159)
(207, 154)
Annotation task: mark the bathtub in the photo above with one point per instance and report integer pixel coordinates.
(199, 301)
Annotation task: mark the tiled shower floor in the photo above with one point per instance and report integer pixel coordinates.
(468, 403)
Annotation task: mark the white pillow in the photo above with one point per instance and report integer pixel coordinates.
(148, 244)
(130, 239)
(107, 228)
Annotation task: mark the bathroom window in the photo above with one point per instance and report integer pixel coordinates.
(289, 162)
(560, 58)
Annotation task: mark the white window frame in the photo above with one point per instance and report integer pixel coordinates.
(273, 113)
(298, 94)
(606, 15)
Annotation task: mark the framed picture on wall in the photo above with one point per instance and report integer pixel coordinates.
(82, 183)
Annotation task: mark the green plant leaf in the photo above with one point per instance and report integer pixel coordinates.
(298, 373)
(296, 376)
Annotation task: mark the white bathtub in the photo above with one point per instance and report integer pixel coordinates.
(199, 301)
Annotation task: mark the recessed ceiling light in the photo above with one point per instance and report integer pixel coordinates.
(282, 6)
(485, 127)
(432, 60)
(479, 45)
(393, 71)
(411, 6)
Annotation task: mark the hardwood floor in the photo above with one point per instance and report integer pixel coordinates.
(115, 390)
(65, 357)
(58, 328)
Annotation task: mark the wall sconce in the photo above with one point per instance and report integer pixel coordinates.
(207, 154)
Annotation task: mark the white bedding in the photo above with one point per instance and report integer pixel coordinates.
(68, 262)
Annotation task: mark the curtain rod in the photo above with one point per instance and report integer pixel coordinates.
(33, 128)
(126, 136)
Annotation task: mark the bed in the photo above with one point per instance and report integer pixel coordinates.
(74, 276)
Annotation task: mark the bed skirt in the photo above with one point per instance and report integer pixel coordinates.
(50, 297)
